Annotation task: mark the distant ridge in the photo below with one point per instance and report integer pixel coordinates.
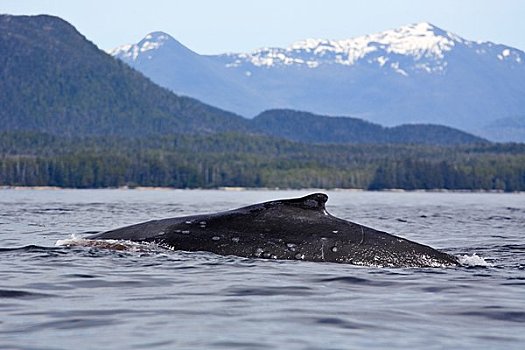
(312, 128)
(54, 80)
(417, 73)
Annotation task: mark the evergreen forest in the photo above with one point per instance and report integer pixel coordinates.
(238, 159)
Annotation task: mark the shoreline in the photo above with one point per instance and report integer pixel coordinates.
(239, 189)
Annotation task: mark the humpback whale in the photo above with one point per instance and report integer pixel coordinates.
(289, 229)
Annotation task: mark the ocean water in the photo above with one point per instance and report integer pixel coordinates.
(73, 297)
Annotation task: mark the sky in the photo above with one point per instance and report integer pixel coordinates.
(219, 26)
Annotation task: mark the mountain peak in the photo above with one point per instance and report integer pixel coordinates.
(152, 41)
(158, 36)
(421, 28)
(156, 39)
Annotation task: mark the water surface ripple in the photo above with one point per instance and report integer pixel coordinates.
(87, 297)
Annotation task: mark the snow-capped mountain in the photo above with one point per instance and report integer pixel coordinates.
(420, 47)
(419, 42)
(414, 74)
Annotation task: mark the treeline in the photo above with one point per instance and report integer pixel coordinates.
(484, 173)
(185, 161)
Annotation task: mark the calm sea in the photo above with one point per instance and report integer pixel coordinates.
(59, 297)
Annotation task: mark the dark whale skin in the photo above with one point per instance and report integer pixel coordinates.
(288, 229)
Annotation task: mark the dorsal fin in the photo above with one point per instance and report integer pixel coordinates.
(314, 201)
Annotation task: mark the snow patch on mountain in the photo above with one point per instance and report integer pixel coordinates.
(152, 41)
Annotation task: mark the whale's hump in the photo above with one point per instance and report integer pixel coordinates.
(314, 201)
(286, 229)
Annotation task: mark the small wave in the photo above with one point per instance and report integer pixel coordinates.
(356, 281)
(473, 260)
(28, 248)
(21, 294)
(270, 291)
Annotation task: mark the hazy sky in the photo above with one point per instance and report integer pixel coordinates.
(217, 26)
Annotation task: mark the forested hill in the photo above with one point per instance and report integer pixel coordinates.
(233, 159)
(312, 128)
(53, 80)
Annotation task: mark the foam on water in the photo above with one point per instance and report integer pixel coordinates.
(113, 244)
(73, 240)
(473, 260)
